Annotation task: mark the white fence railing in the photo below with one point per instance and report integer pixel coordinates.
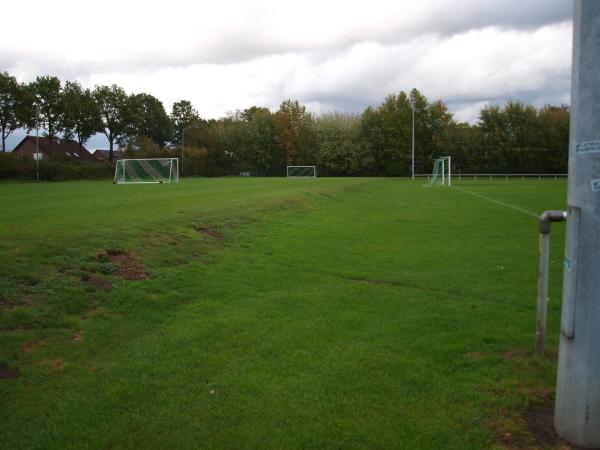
(506, 176)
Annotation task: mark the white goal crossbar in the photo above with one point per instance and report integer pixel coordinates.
(147, 170)
(301, 171)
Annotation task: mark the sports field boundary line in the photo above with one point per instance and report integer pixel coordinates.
(507, 205)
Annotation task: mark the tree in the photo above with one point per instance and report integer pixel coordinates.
(510, 137)
(50, 105)
(293, 131)
(81, 113)
(183, 115)
(554, 137)
(112, 104)
(146, 116)
(16, 107)
(371, 136)
(338, 145)
(262, 151)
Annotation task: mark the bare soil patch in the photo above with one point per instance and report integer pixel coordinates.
(211, 232)
(475, 355)
(515, 353)
(130, 268)
(55, 364)
(100, 283)
(17, 329)
(30, 346)
(540, 422)
(79, 335)
(6, 373)
(533, 429)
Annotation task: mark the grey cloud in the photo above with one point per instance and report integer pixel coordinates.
(463, 16)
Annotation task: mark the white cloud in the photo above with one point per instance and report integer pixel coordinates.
(328, 54)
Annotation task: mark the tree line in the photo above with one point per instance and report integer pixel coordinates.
(513, 138)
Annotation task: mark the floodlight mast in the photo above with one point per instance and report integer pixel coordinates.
(37, 142)
(413, 143)
(577, 411)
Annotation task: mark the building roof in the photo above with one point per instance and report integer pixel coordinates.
(103, 154)
(60, 147)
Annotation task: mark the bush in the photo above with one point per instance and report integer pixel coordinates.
(15, 167)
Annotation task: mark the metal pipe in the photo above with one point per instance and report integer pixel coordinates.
(545, 222)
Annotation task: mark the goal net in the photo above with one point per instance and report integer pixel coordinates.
(442, 172)
(149, 170)
(301, 172)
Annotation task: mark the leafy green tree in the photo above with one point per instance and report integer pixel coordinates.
(81, 113)
(146, 116)
(372, 138)
(183, 115)
(50, 105)
(339, 151)
(263, 150)
(16, 107)
(386, 131)
(510, 137)
(112, 103)
(294, 133)
(554, 137)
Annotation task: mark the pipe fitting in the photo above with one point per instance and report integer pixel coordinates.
(547, 217)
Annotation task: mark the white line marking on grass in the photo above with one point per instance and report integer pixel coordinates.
(516, 208)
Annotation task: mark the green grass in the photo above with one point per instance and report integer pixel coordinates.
(346, 313)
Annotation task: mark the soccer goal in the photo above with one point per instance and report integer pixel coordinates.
(442, 172)
(301, 172)
(149, 170)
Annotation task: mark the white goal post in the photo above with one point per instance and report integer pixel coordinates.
(442, 171)
(301, 171)
(147, 170)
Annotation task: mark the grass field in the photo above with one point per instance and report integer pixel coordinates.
(274, 313)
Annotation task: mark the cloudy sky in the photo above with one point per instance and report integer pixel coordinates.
(330, 55)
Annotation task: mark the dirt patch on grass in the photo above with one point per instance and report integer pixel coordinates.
(16, 329)
(533, 429)
(79, 335)
(540, 422)
(129, 267)
(475, 355)
(211, 232)
(30, 346)
(101, 313)
(516, 353)
(54, 364)
(100, 283)
(6, 373)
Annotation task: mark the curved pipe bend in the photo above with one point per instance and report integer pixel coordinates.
(547, 217)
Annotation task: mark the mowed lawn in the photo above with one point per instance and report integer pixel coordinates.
(273, 313)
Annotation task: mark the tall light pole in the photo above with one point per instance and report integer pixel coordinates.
(413, 142)
(183, 142)
(37, 143)
(577, 411)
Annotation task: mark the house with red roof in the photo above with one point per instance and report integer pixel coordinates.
(56, 148)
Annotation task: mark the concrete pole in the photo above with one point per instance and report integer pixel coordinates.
(577, 411)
